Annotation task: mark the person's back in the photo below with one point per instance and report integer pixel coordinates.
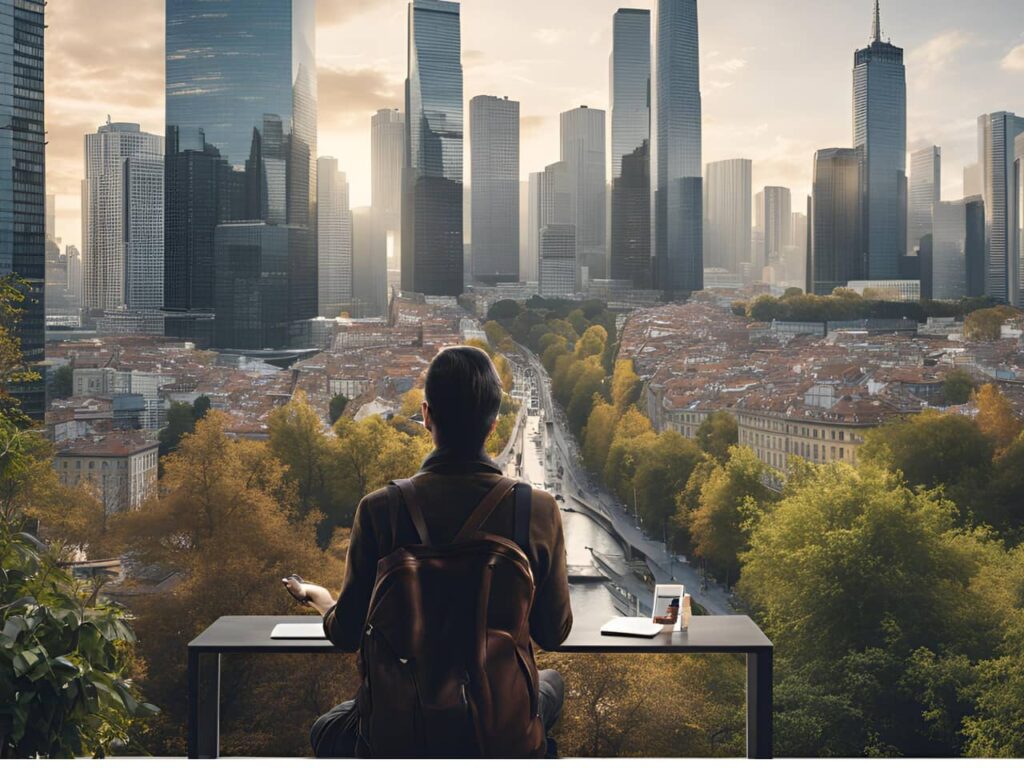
(484, 561)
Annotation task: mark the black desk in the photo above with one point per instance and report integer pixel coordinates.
(251, 634)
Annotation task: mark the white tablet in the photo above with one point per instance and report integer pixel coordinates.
(632, 626)
(307, 631)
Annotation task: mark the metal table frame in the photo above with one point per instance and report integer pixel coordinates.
(251, 634)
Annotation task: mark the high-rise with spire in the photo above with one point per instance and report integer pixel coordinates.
(880, 136)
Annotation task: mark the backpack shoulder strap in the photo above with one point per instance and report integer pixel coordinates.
(412, 504)
(524, 502)
(484, 509)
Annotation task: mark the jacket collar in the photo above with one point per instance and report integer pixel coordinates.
(446, 462)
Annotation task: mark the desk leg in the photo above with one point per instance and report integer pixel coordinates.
(203, 704)
(759, 704)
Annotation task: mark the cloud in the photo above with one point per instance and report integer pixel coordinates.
(531, 124)
(934, 55)
(334, 12)
(729, 66)
(348, 97)
(549, 36)
(1014, 60)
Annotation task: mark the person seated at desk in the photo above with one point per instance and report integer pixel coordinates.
(451, 577)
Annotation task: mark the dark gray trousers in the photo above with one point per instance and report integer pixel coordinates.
(335, 733)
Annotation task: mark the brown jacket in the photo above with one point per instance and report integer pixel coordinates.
(449, 488)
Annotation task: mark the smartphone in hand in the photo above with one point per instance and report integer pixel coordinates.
(295, 586)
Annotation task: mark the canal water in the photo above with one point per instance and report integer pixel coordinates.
(581, 536)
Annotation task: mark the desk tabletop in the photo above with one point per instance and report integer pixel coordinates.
(707, 634)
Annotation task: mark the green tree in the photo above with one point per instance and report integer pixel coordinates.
(854, 576)
(337, 407)
(717, 433)
(588, 382)
(63, 382)
(181, 421)
(65, 660)
(730, 499)
(201, 407)
(12, 363)
(934, 450)
(663, 468)
(957, 387)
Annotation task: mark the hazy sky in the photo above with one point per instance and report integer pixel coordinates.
(775, 76)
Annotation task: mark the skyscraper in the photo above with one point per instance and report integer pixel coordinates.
(369, 278)
(432, 255)
(676, 184)
(997, 133)
(556, 232)
(974, 244)
(727, 214)
(123, 218)
(948, 250)
(583, 152)
(387, 157)
(23, 179)
(334, 238)
(494, 147)
(837, 253)
(630, 83)
(533, 222)
(880, 135)
(243, 151)
(775, 211)
(925, 193)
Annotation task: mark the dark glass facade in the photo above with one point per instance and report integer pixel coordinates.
(432, 242)
(23, 179)
(837, 252)
(630, 67)
(880, 135)
(241, 147)
(676, 183)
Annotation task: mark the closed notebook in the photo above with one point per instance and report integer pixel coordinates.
(307, 631)
(632, 626)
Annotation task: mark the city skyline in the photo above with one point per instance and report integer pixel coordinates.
(962, 62)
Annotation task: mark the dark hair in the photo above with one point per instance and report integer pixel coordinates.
(463, 392)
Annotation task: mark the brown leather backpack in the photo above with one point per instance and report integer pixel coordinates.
(446, 658)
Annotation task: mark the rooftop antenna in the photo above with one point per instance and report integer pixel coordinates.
(876, 26)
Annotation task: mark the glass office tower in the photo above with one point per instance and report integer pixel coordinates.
(630, 82)
(23, 179)
(334, 239)
(676, 183)
(997, 134)
(925, 193)
(387, 159)
(837, 252)
(727, 214)
(432, 255)
(494, 133)
(582, 134)
(241, 146)
(123, 218)
(880, 135)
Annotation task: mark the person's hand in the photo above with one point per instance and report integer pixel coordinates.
(308, 594)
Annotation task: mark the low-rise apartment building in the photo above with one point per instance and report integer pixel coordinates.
(121, 466)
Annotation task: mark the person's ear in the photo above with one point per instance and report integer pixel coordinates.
(425, 410)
